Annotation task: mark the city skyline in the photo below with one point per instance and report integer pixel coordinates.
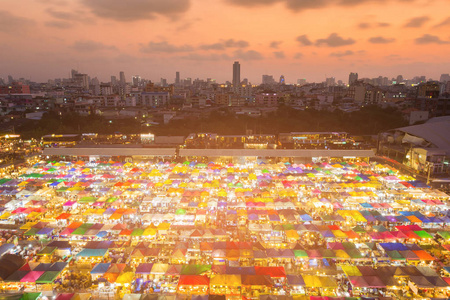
(278, 37)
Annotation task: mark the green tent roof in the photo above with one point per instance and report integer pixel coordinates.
(3, 180)
(31, 296)
(444, 234)
(327, 253)
(47, 251)
(79, 231)
(358, 228)
(395, 255)
(112, 199)
(48, 277)
(87, 200)
(34, 175)
(300, 253)
(32, 231)
(92, 252)
(180, 211)
(423, 234)
(194, 269)
(354, 253)
(288, 227)
(137, 232)
(86, 225)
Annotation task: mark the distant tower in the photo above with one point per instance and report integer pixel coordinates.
(122, 78)
(399, 79)
(352, 78)
(73, 73)
(136, 80)
(236, 74)
(113, 80)
(282, 80)
(177, 78)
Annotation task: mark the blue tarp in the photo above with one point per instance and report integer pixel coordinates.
(393, 247)
(296, 280)
(45, 231)
(5, 248)
(100, 268)
(58, 266)
(92, 252)
(306, 218)
(144, 268)
(240, 270)
(327, 234)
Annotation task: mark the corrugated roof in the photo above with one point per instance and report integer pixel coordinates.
(436, 132)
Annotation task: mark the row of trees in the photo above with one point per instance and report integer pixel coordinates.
(367, 121)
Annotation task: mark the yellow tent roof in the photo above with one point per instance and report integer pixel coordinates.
(312, 281)
(292, 234)
(159, 268)
(164, 226)
(5, 215)
(149, 231)
(339, 234)
(33, 215)
(341, 254)
(351, 270)
(226, 279)
(126, 277)
(27, 225)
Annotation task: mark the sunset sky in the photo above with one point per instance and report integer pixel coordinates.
(311, 39)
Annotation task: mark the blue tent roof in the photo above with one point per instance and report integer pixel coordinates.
(5, 248)
(306, 218)
(393, 246)
(144, 268)
(58, 266)
(45, 231)
(92, 252)
(327, 234)
(366, 205)
(100, 268)
(240, 270)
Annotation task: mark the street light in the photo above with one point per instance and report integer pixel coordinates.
(429, 165)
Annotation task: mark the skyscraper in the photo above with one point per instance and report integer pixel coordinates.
(136, 80)
(352, 78)
(177, 78)
(236, 74)
(122, 78)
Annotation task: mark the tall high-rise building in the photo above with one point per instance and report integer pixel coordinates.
(352, 78)
(268, 79)
(282, 79)
(136, 80)
(113, 80)
(177, 78)
(73, 73)
(122, 78)
(331, 81)
(444, 78)
(236, 74)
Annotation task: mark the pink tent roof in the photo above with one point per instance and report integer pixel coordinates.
(32, 276)
(65, 296)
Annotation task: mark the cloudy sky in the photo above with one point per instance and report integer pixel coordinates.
(311, 39)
